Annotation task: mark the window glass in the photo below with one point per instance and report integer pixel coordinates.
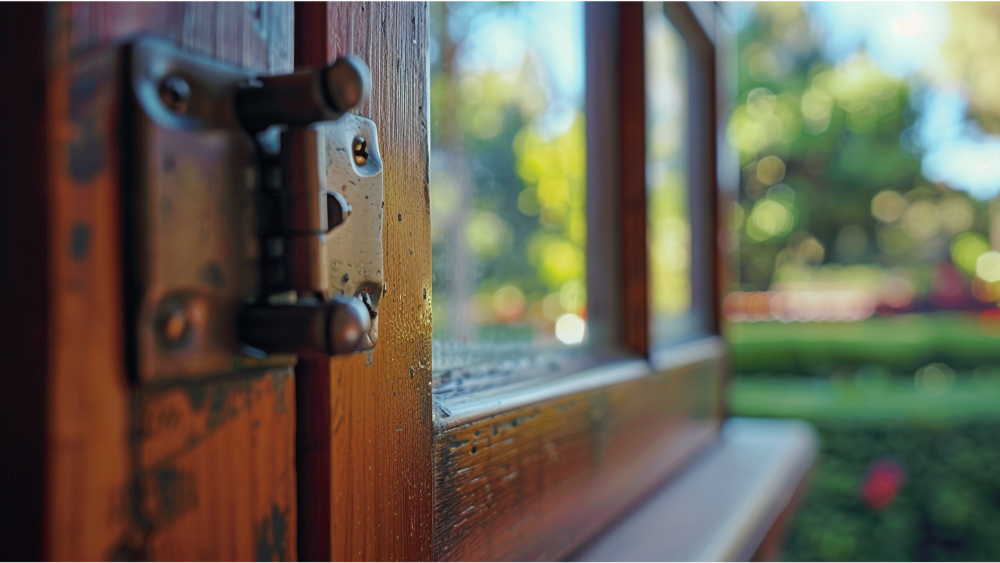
(508, 171)
(668, 209)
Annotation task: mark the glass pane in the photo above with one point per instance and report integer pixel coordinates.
(508, 173)
(668, 215)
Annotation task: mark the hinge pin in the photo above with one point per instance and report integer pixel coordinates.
(175, 93)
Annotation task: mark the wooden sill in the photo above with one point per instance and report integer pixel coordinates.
(723, 504)
(530, 473)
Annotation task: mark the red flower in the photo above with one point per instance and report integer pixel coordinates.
(885, 477)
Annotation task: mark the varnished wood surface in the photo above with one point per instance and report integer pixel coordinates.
(378, 404)
(205, 471)
(201, 470)
(535, 483)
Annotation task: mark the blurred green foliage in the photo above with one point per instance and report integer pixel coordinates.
(947, 509)
(948, 505)
(508, 172)
(872, 394)
(831, 175)
(900, 343)
(816, 144)
(832, 196)
(668, 219)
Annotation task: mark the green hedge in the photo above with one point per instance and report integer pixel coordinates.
(948, 507)
(903, 343)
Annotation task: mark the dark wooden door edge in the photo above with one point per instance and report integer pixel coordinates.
(23, 277)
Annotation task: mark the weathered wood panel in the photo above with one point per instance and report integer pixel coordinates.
(536, 482)
(373, 412)
(203, 470)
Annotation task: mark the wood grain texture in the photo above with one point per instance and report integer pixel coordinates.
(378, 405)
(200, 470)
(537, 482)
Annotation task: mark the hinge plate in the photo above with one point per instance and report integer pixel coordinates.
(193, 183)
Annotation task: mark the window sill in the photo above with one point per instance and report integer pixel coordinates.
(721, 506)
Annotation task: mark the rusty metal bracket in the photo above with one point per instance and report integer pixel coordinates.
(252, 212)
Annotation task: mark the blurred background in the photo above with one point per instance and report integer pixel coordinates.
(508, 172)
(868, 274)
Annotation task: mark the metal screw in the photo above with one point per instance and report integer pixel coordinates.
(175, 93)
(360, 148)
(174, 325)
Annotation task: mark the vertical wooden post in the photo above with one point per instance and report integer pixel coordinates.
(632, 144)
(24, 272)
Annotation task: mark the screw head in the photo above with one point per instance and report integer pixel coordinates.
(173, 324)
(175, 92)
(359, 146)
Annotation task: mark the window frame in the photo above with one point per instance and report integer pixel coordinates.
(575, 451)
(558, 456)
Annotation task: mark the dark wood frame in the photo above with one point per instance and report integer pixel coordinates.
(312, 390)
(24, 271)
(631, 112)
(698, 30)
(531, 473)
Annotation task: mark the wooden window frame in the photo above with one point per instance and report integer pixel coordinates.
(532, 471)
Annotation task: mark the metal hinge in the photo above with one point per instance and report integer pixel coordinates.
(252, 215)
